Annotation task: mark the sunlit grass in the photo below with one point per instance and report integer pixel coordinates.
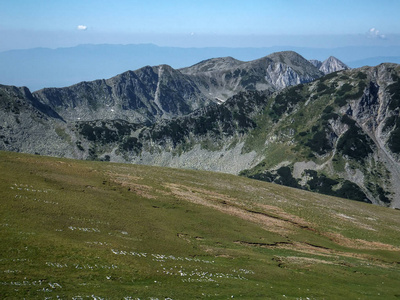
(76, 229)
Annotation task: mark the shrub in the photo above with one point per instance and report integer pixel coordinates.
(319, 143)
(345, 89)
(321, 184)
(340, 101)
(394, 140)
(286, 178)
(353, 142)
(350, 190)
(361, 75)
(131, 144)
(328, 109)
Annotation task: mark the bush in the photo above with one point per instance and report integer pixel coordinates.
(353, 142)
(382, 195)
(131, 144)
(285, 100)
(340, 101)
(330, 116)
(320, 184)
(319, 143)
(321, 87)
(328, 109)
(394, 140)
(283, 176)
(345, 89)
(350, 190)
(286, 178)
(361, 75)
(267, 176)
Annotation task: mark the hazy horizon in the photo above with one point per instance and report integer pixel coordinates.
(26, 24)
(350, 30)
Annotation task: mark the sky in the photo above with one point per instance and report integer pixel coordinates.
(194, 23)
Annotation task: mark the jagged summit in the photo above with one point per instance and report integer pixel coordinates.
(330, 65)
(296, 62)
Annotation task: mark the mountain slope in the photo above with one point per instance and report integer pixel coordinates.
(337, 135)
(136, 96)
(349, 135)
(75, 229)
(27, 123)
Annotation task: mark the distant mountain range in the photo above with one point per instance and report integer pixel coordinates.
(278, 119)
(151, 93)
(41, 67)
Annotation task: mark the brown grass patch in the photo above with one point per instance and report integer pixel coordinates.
(304, 261)
(231, 206)
(359, 243)
(128, 181)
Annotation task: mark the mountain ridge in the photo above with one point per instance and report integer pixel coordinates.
(151, 93)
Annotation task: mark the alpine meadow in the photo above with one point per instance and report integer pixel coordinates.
(76, 229)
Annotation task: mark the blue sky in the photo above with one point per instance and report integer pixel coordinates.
(250, 23)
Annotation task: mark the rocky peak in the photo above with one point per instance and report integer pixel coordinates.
(332, 64)
(317, 63)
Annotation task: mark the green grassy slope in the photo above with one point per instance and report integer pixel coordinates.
(79, 230)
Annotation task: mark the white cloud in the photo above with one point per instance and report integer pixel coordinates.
(375, 34)
(82, 27)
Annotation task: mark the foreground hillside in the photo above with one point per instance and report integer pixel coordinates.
(77, 230)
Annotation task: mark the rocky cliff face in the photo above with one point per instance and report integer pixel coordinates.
(136, 96)
(30, 126)
(224, 77)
